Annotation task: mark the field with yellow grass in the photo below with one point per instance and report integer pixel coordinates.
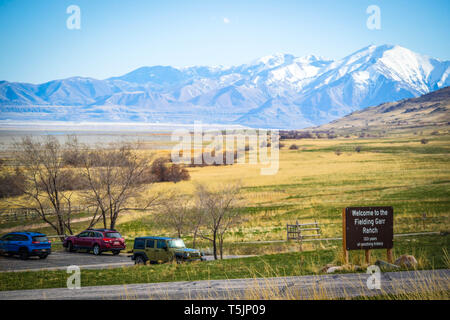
(314, 183)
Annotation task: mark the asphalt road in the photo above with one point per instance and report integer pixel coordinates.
(61, 260)
(303, 287)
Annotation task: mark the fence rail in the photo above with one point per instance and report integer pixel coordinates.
(25, 214)
(299, 231)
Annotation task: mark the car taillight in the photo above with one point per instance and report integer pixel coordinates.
(35, 242)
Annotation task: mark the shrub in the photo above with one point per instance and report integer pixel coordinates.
(162, 171)
(177, 173)
(12, 184)
(358, 149)
(331, 136)
(70, 180)
(293, 147)
(284, 135)
(72, 158)
(200, 161)
(338, 152)
(424, 141)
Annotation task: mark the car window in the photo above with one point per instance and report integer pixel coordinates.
(20, 237)
(92, 235)
(139, 244)
(161, 244)
(83, 234)
(177, 243)
(98, 235)
(8, 237)
(113, 235)
(40, 239)
(150, 243)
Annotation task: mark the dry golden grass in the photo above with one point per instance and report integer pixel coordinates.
(315, 183)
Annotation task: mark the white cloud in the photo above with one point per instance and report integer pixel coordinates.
(226, 20)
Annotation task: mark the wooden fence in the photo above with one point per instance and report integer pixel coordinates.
(27, 214)
(300, 231)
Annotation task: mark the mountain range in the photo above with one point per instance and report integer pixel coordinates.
(277, 91)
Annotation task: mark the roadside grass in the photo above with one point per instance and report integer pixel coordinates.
(430, 251)
(428, 293)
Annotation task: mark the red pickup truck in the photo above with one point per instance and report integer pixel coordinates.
(97, 240)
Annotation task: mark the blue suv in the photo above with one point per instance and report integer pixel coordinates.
(25, 244)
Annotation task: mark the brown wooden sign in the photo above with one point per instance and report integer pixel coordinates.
(366, 228)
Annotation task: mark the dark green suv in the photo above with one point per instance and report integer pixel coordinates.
(162, 249)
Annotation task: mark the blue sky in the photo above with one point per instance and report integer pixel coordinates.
(117, 36)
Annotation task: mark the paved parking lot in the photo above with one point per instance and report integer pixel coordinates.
(61, 260)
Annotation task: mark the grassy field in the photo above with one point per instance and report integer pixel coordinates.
(314, 183)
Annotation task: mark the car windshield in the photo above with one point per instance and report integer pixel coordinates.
(40, 239)
(178, 243)
(113, 235)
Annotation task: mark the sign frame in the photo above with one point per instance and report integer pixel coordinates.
(387, 231)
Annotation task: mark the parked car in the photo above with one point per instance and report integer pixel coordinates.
(162, 249)
(97, 240)
(25, 244)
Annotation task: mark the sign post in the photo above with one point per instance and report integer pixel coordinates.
(367, 228)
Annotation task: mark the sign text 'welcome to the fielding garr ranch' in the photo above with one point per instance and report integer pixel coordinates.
(368, 228)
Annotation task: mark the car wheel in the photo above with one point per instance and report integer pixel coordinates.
(176, 259)
(115, 252)
(23, 253)
(70, 247)
(96, 250)
(139, 260)
(43, 256)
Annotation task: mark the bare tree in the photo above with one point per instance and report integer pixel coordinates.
(195, 222)
(44, 185)
(219, 212)
(114, 178)
(175, 213)
(178, 212)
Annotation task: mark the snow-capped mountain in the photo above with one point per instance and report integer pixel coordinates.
(278, 91)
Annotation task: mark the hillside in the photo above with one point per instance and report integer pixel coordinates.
(432, 109)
